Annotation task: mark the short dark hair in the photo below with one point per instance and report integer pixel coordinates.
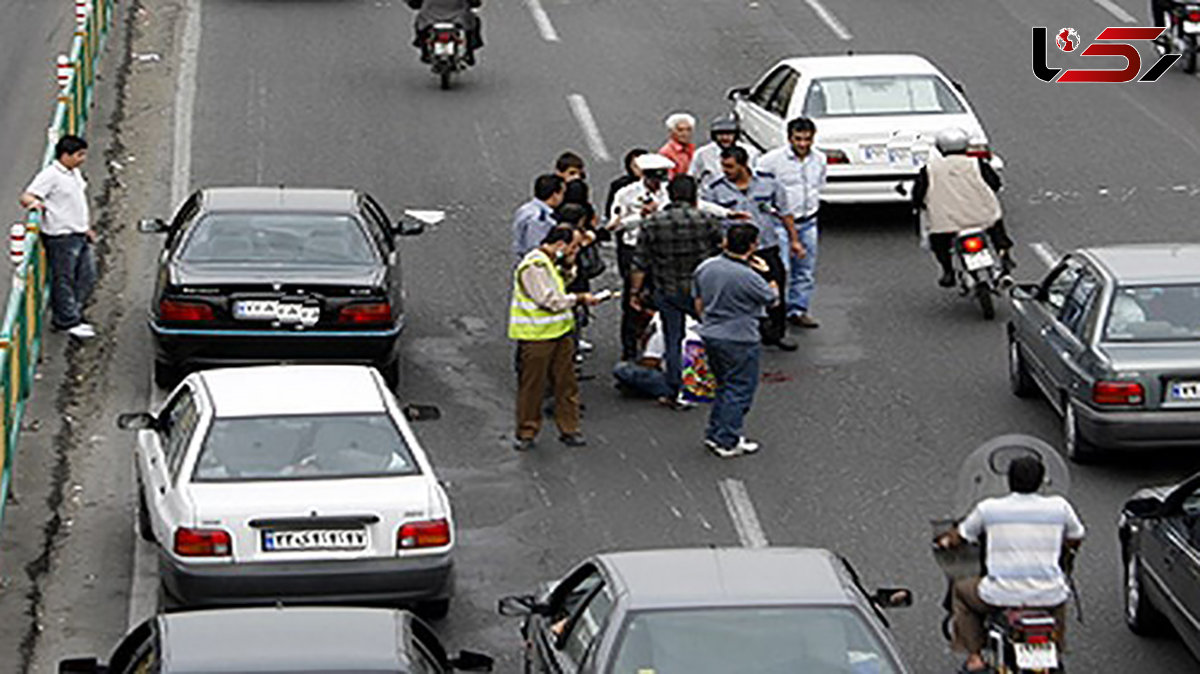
(736, 153)
(69, 145)
(682, 190)
(571, 214)
(547, 185)
(631, 155)
(801, 124)
(559, 234)
(740, 238)
(1025, 474)
(568, 160)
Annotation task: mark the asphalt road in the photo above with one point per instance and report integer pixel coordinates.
(862, 440)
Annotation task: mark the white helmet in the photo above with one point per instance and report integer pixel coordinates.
(952, 140)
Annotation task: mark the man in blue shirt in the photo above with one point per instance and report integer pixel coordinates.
(731, 297)
(740, 189)
(535, 218)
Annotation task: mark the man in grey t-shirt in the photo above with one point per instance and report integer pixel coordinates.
(731, 297)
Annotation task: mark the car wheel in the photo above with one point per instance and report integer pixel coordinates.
(1141, 616)
(166, 602)
(433, 610)
(143, 517)
(1019, 379)
(166, 375)
(1077, 448)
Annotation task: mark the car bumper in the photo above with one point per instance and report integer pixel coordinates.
(1140, 429)
(200, 348)
(394, 580)
(850, 184)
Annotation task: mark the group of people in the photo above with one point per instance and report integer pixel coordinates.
(719, 236)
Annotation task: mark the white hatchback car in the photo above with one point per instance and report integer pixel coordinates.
(877, 116)
(294, 484)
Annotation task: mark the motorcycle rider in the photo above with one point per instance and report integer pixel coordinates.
(959, 192)
(458, 12)
(725, 132)
(1025, 536)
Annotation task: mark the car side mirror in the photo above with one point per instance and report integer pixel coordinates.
(522, 605)
(1144, 508)
(137, 421)
(470, 661)
(892, 597)
(415, 412)
(415, 221)
(738, 92)
(152, 226)
(80, 666)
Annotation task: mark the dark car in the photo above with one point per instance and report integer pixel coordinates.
(1159, 530)
(1111, 337)
(709, 610)
(271, 274)
(281, 640)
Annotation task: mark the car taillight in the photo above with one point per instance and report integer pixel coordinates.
(973, 244)
(430, 534)
(174, 310)
(836, 157)
(366, 312)
(1118, 393)
(202, 542)
(981, 151)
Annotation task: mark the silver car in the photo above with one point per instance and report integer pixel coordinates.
(1111, 336)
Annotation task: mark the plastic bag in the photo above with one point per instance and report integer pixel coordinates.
(699, 383)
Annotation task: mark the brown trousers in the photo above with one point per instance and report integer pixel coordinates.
(970, 611)
(551, 361)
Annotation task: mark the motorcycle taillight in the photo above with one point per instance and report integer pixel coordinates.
(972, 244)
(443, 37)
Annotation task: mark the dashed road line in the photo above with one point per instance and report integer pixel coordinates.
(1045, 253)
(741, 510)
(832, 21)
(542, 19)
(583, 114)
(1116, 10)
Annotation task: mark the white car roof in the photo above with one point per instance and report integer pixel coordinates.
(861, 65)
(277, 390)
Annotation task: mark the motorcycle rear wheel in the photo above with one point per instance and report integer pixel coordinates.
(1189, 56)
(446, 79)
(984, 294)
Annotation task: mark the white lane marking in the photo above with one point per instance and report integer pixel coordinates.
(1116, 10)
(542, 19)
(830, 20)
(741, 510)
(185, 99)
(1045, 253)
(583, 114)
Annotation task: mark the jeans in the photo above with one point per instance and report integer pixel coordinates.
(673, 309)
(802, 271)
(72, 277)
(644, 381)
(735, 366)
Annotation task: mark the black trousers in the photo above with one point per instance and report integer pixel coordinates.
(774, 326)
(1159, 10)
(633, 322)
(942, 244)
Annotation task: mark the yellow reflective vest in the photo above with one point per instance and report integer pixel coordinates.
(529, 322)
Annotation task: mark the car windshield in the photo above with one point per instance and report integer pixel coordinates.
(278, 238)
(811, 640)
(880, 95)
(303, 447)
(1154, 313)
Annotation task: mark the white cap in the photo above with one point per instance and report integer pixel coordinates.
(653, 162)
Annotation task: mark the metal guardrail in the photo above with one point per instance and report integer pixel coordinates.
(21, 332)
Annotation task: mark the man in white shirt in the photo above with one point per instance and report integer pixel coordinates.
(1025, 534)
(725, 132)
(60, 192)
(800, 168)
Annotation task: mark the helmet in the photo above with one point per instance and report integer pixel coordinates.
(952, 140)
(724, 124)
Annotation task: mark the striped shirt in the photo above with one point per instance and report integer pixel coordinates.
(1025, 534)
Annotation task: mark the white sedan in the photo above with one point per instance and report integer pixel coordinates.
(877, 116)
(293, 484)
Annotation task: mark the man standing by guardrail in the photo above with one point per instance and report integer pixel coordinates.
(60, 192)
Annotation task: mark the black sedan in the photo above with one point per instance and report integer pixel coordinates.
(1160, 544)
(270, 274)
(279, 640)
(752, 611)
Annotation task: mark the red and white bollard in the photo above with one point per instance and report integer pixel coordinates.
(82, 9)
(63, 70)
(16, 243)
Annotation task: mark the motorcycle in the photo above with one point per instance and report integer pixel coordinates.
(978, 268)
(1182, 36)
(1019, 640)
(446, 46)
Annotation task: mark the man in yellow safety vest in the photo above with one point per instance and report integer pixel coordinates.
(541, 321)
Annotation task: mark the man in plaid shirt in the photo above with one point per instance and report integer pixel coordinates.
(672, 243)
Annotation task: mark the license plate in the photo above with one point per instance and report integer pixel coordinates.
(874, 154)
(291, 313)
(1191, 27)
(443, 48)
(920, 158)
(1185, 390)
(978, 260)
(899, 156)
(1036, 656)
(314, 539)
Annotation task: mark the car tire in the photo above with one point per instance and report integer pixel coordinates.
(1077, 448)
(1019, 379)
(166, 375)
(166, 602)
(145, 530)
(1141, 616)
(433, 610)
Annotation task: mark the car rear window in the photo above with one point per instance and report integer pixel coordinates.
(1154, 313)
(880, 95)
(278, 238)
(303, 447)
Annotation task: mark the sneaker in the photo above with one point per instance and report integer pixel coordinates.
(586, 346)
(82, 331)
(722, 452)
(747, 446)
(572, 439)
(523, 444)
(785, 345)
(803, 321)
(678, 404)
(947, 280)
